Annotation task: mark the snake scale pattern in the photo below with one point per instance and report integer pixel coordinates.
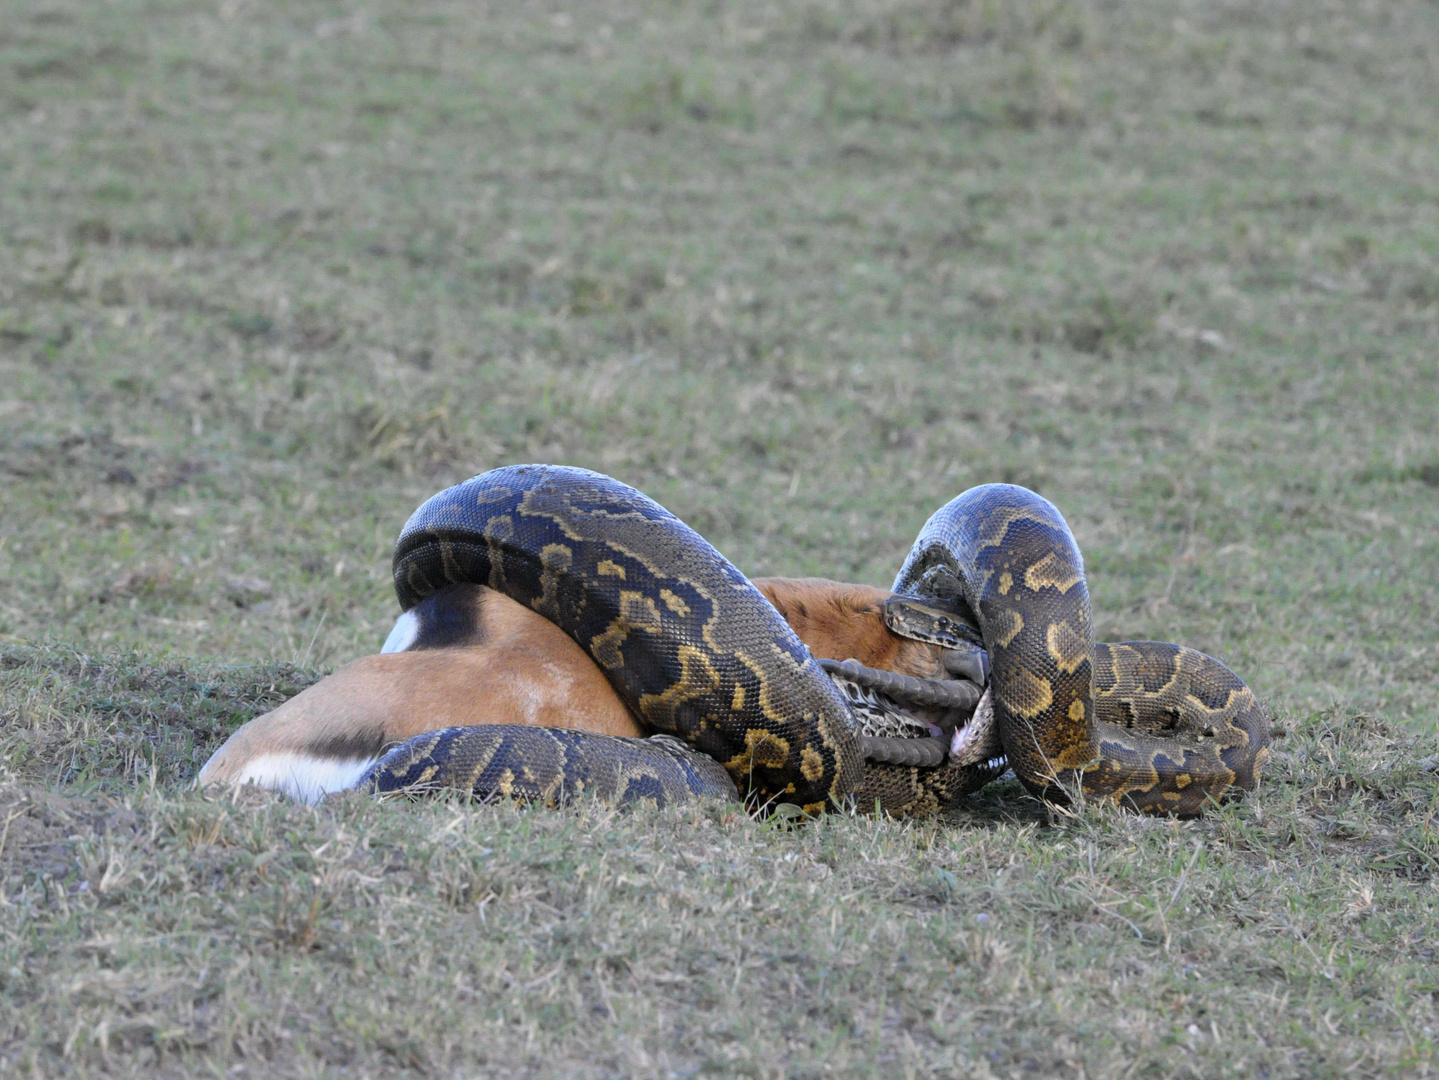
(740, 708)
(1157, 727)
(687, 642)
(553, 765)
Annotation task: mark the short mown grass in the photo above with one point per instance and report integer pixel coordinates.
(273, 271)
(151, 931)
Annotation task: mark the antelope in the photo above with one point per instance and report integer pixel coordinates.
(470, 655)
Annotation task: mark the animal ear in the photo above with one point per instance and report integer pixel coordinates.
(949, 624)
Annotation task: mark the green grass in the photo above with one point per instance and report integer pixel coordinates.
(150, 931)
(271, 273)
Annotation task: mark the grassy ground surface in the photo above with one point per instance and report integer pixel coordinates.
(271, 273)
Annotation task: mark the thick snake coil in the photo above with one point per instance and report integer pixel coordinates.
(703, 660)
(1157, 727)
(687, 642)
(553, 765)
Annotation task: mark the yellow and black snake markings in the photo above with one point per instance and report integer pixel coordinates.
(686, 641)
(552, 765)
(1174, 725)
(1159, 728)
(698, 654)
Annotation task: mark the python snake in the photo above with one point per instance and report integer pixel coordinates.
(1157, 727)
(704, 661)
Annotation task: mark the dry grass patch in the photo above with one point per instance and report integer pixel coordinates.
(149, 930)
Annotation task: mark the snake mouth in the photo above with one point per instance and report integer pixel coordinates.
(915, 722)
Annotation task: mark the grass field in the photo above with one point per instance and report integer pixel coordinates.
(271, 273)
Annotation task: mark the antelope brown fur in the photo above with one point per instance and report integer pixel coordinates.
(846, 622)
(469, 655)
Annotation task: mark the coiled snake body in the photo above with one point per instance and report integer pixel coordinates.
(683, 637)
(1161, 728)
(705, 662)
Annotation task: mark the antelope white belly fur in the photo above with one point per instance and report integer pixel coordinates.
(303, 777)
